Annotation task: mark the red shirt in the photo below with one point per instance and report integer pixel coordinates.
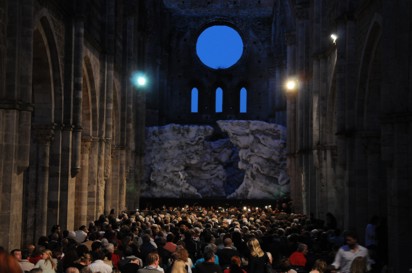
(297, 258)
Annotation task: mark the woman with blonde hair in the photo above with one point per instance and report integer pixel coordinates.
(258, 259)
(181, 261)
(319, 266)
(46, 263)
(358, 265)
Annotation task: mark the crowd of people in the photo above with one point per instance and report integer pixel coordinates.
(198, 239)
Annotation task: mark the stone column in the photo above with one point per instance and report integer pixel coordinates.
(77, 94)
(115, 178)
(109, 89)
(344, 167)
(292, 163)
(11, 184)
(82, 184)
(122, 178)
(92, 181)
(101, 183)
(304, 103)
(55, 177)
(43, 135)
(67, 183)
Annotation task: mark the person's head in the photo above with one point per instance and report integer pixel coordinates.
(133, 259)
(209, 255)
(170, 237)
(16, 253)
(96, 246)
(86, 259)
(25, 254)
(254, 247)
(285, 264)
(358, 265)
(8, 263)
(227, 242)
(302, 248)
(351, 238)
(153, 259)
(211, 247)
(235, 260)
(72, 270)
(47, 255)
(182, 254)
(320, 265)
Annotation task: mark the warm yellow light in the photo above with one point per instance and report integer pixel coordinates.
(291, 85)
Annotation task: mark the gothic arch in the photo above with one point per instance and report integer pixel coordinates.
(367, 61)
(47, 97)
(90, 100)
(45, 29)
(368, 111)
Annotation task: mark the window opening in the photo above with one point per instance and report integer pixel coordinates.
(194, 100)
(243, 100)
(219, 100)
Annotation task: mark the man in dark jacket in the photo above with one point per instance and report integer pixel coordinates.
(208, 266)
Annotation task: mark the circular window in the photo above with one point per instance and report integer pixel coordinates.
(219, 47)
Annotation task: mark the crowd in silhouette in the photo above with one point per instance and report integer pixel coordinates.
(200, 239)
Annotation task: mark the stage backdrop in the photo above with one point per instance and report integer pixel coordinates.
(243, 160)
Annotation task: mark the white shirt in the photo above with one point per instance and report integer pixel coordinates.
(100, 266)
(345, 256)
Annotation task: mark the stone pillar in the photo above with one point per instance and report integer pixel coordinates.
(122, 178)
(43, 135)
(55, 177)
(109, 89)
(67, 184)
(82, 181)
(101, 183)
(291, 125)
(92, 181)
(317, 152)
(115, 178)
(11, 184)
(77, 94)
(344, 135)
(304, 103)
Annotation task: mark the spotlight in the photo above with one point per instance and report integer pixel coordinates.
(291, 85)
(139, 79)
(334, 37)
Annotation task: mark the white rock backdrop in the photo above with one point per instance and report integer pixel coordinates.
(182, 162)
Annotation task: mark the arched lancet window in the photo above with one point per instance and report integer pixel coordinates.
(194, 100)
(219, 100)
(243, 100)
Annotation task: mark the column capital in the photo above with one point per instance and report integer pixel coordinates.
(43, 133)
(16, 105)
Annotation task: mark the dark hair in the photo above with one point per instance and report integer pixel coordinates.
(350, 233)
(208, 254)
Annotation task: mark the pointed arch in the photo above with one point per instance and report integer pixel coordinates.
(45, 29)
(90, 102)
(366, 66)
